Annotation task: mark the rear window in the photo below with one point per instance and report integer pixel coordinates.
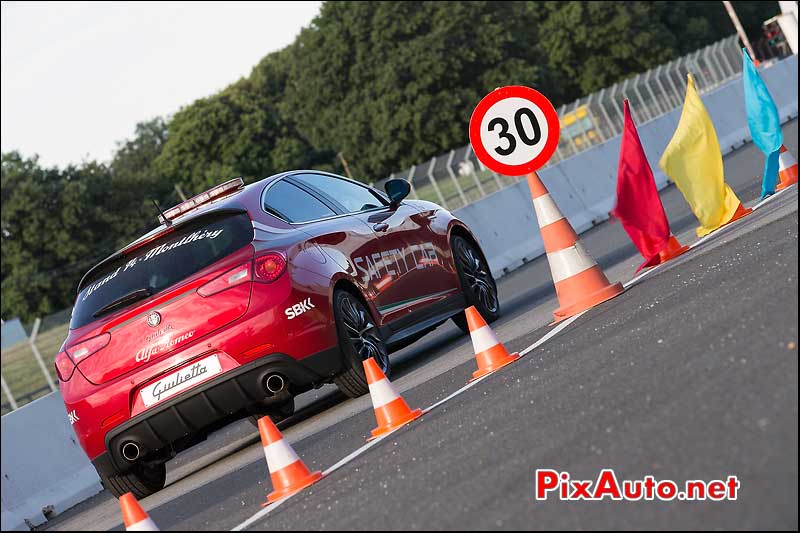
(163, 263)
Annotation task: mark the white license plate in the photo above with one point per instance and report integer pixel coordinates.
(181, 380)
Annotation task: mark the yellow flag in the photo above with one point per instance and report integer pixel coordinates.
(693, 160)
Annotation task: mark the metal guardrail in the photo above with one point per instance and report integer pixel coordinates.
(456, 178)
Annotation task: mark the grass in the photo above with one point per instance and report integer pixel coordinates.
(21, 371)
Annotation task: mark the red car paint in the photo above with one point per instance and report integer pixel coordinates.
(401, 267)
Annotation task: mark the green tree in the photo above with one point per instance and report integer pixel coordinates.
(391, 83)
(57, 223)
(217, 138)
(238, 132)
(136, 181)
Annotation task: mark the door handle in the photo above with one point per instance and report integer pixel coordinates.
(380, 226)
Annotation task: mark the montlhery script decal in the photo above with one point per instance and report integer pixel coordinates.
(157, 250)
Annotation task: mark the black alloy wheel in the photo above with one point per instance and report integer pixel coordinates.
(477, 282)
(359, 339)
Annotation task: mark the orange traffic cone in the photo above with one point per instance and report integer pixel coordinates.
(580, 283)
(134, 516)
(391, 410)
(288, 473)
(489, 352)
(787, 169)
(673, 250)
(740, 212)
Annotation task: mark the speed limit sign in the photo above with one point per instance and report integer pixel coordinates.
(514, 130)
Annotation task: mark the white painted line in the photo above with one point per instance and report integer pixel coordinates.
(770, 198)
(724, 229)
(643, 274)
(552, 333)
(355, 454)
(271, 507)
(456, 393)
(549, 335)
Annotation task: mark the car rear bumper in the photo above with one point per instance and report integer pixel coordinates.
(179, 422)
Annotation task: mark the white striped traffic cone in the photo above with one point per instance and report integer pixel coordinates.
(787, 169)
(489, 352)
(391, 410)
(580, 283)
(288, 473)
(134, 516)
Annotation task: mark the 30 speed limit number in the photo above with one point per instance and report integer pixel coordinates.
(514, 130)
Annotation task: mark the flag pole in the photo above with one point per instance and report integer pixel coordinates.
(740, 30)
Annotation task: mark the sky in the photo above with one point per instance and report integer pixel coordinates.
(78, 76)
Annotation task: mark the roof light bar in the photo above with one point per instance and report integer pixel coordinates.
(201, 199)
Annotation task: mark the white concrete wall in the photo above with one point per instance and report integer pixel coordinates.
(584, 186)
(12, 333)
(44, 469)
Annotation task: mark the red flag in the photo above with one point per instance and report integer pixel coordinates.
(638, 204)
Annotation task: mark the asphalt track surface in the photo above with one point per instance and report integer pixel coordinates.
(690, 374)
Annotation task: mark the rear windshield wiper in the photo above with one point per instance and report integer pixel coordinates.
(126, 299)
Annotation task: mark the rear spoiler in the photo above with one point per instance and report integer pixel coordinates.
(100, 268)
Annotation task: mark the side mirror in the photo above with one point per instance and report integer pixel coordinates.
(397, 189)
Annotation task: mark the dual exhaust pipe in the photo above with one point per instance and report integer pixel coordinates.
(273, 384)
(130, 451)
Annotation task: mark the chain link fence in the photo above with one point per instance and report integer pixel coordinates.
(457, 178)
(28, 371)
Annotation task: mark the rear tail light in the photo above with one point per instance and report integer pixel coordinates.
(67, 359)
(269, 267)
(231, 278)
(64, 366)
(86, 348)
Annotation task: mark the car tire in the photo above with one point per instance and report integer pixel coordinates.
(277, 414)
(359, 339)
(142, 481)
(477, 282)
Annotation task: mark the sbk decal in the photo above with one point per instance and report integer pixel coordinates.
(73, 417)
(144, 355)
(396, 262)
(298, 309)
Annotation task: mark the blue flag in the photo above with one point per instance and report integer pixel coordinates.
(764, 123)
